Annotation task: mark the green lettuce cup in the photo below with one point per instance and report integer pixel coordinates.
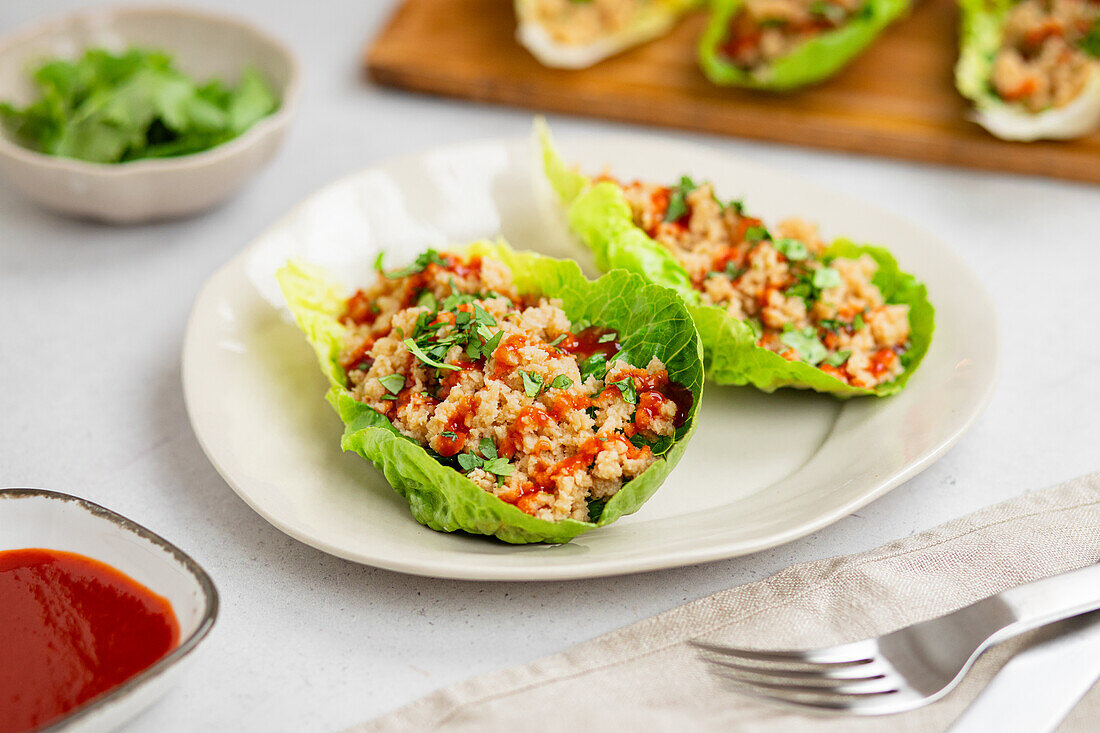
(1026, 115)
(648, 322)
(599, 214)
(838, 37)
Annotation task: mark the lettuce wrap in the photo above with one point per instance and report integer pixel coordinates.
(651, 18)
(819, 57)
(650, 321)
(600, 216)
(981, 37)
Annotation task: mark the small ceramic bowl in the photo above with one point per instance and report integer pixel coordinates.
(203, 45)
(46, 519)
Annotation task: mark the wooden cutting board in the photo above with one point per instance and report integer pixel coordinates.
(898, 99)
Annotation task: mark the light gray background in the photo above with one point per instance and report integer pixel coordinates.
(92, 319)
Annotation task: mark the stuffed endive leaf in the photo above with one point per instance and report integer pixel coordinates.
(577, 33)
(772, 310)
(447, 379)
(780, 46)
(1031, 68)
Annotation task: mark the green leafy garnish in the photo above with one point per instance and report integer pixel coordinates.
(532, 383)
(806, 343)
(838, 358)
(792, 249)
(487, 447)
(419, 354)
(857, 322)
(626, 389)
(1090, 44)
(393, 383)
(561, 382)
(757, 234)
(825, 278)
(677, 202)
(113, 108)
(429, 257)
(593, 366)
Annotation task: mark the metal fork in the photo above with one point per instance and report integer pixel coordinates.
(910, 667)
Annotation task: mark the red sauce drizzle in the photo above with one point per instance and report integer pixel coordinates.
(359, 310)
(881, 362)
(587, 343)
(71, 628)
(448, 446)
(530, 419)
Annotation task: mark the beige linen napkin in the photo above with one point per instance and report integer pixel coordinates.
(646, 677)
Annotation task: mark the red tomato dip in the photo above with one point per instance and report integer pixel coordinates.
(71, 628)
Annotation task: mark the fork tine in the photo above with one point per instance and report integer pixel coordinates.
(850, 703)
(824, 675)
(859, 652)
(881, 685)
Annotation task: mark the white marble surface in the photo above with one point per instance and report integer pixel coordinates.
(92, 319)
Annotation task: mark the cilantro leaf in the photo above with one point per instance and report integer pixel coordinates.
(838, 358)
(393, 383)
(806, 343)
(427, 300)
(428, 257)
(593, 366)
(826, 277)
(499, 467)
(757, 234)
(792, 249)
(419, 354)
(378, 263)
(469, 461)
(561, 382)
(626, 389)
(483, 316)
(532, 383)
(677, 202)
(857, 322)
(488, 448)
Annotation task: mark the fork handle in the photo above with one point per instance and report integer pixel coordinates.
(1050, 599)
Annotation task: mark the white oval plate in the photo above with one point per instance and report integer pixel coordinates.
(761, 470)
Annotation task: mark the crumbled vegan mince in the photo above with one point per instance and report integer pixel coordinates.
(830, 314)
(531, 407)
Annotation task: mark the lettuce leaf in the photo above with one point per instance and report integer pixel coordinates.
(601, 217)
(650, 320)
(651, 20)
(981, 31)
(812, 61)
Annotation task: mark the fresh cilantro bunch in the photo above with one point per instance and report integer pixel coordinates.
(114, 108)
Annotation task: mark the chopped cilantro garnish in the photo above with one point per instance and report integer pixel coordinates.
(449, 434)
(806, 343)
(825, 278)
(469, 461)
(532, 383)
(857, 322)
(594, 366)
(558, 340)
(738, 207)
(427, 300)
(487, 447)
(378, 262)
(390, 397)
(419, 264)
(393, 383)
(677, 202)
(792, 249)
(757, 234)
(499, 466)
(483, 316)
(608, 337)
(733, 270)
(626, 389)
(838, 358)
(419, 354)
(561, 382)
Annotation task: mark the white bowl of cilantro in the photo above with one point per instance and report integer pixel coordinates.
(135, 114)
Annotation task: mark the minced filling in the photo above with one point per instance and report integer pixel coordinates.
(535, 409)
(1050, 48)
(580, 22)
(764, 30)
(828, 313)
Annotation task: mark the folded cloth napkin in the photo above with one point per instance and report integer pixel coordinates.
(646, 676)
